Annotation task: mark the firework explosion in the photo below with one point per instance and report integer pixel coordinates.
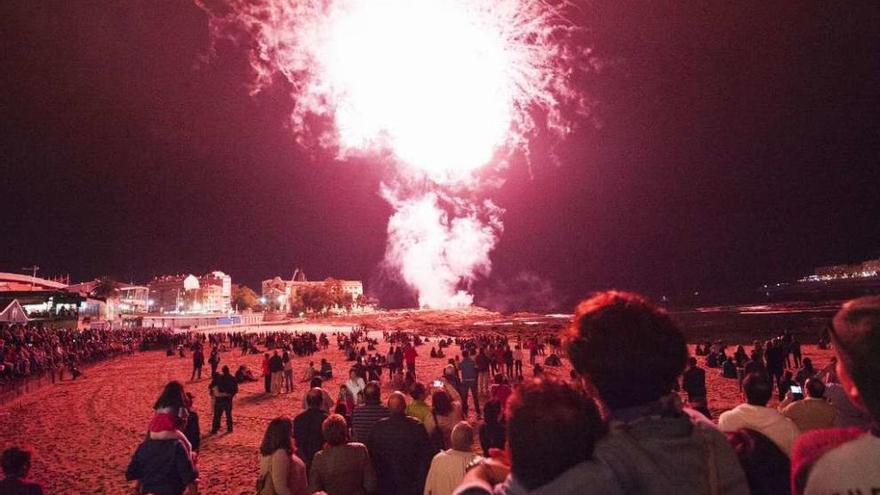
(449, 87)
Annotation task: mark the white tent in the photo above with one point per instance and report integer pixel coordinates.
(13, 313)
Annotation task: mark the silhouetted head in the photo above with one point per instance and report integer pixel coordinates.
(627, 347)
(397, 403)
(372, 393)
(757, 389)
(551, 428)
(856, 336)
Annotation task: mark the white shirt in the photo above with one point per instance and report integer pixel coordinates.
(767, 421)
(850, 468)
(354, 386)
(447, 471)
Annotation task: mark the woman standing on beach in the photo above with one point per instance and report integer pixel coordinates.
(281, 471)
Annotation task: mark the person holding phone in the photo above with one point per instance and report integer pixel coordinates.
(814, 411)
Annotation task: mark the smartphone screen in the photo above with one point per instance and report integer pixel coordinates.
(796, 390)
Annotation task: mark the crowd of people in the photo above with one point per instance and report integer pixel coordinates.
(36, 351)
(630, 419)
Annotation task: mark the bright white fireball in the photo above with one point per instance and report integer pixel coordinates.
(429, 79)
(444, 85)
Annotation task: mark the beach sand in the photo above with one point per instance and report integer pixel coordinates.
(83, 432)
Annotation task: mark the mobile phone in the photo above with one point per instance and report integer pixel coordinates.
(438, 383)
(797, 391)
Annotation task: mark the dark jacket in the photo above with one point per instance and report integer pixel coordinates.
(225, 384)
(693, 381)
(15, 486)
(162, 466)
(401, 452)
(492, 435)
(307, 433)
(276, 364)
(192, 432)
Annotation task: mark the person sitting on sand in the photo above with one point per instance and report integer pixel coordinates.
(309, 373)
(326, 369)
(728, 368)
(740, 356)
(806, 372)
(16, 464)
(244, 374)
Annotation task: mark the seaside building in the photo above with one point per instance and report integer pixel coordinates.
(134, 299)
(210, 293)
(278, 293)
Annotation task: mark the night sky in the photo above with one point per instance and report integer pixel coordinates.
(733, 144)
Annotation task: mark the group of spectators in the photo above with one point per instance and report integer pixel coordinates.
(35, 351)
(613, 428)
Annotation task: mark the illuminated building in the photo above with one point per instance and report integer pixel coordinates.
(210, 293)
(278, 293)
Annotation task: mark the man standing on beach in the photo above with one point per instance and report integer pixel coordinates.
(214, 360)
(410, 355)
(198, 362)
(223, 389)
(469, 383)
